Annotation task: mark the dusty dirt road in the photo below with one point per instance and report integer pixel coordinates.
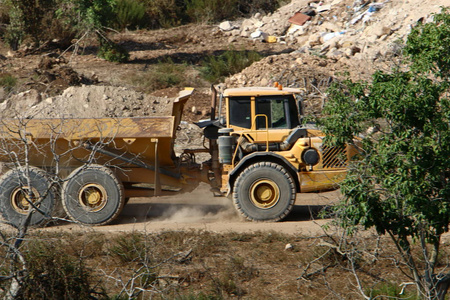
(199, 210)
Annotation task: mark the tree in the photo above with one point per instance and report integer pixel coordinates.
(44, 20)
(93, 17)
(400, 182)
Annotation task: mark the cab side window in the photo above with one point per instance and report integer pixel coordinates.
(274, 109)
(240, 111)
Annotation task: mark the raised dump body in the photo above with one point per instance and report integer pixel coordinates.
(95, 165)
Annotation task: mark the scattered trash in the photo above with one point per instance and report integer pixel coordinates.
(271, 39)
(288, 247)
(299, 18)
(322, 8)
(330, 35)
(367, 14)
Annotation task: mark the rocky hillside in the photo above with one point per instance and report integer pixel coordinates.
(312, 43)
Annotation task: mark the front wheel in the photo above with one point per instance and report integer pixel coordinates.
(93, 195)
(264, 192)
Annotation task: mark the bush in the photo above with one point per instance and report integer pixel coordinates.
(231, 62)
(129, 14)
(164, 75)
(112, 52)
(54, 274)
(208, 11)
(165, 13)
(7, 81)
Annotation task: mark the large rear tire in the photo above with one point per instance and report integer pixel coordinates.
(93, 195)
(22, 193)
(264, 192)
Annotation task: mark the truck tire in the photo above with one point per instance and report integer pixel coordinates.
(264, 192)
(93, 195)
(14, 204)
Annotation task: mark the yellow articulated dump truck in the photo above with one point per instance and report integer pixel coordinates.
(260, 156)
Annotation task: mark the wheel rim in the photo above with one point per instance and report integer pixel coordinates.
(93, 197)
(21, 199)
(264, 194)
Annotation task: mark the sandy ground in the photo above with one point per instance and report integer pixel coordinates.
(199, 210)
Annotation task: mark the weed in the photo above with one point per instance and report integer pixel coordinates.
(129, 14)
(163, 75)
(274, 236)
(389, 290)
(128, 248)
(240, 270)
(242, 237)
(112, 52)
(199, 296)
(229, 63)
(208, 11)
(7, 81)
(53, 274)
(165, 13)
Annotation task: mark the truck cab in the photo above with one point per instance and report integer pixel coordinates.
(264, 156)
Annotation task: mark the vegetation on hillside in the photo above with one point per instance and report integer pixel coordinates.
(61, 22)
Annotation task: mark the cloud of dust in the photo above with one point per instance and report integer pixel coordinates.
(200, 206)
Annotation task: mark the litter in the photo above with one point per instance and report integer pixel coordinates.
(299, 19)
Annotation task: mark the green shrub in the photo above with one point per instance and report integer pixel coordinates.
(129, 14)
(7, 81)
(208, 11)
(389, 290)
(165, 13)
(215, 68)
(128, 248)
(198, 296)
(112, 52)
(254, 6)
(54, 274)
(164, 75)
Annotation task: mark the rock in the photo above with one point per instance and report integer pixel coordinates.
(232, 39)
(247, 24)
(301, 40)
(328, 26)
(2, 94)
(335, 54)
(245, 33)
(346, 43)
(226, 26)
(372, 39)
(235, 32)
(314, 40)
(289, 247)
(348, 52)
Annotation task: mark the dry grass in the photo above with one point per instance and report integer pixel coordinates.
(205, 265)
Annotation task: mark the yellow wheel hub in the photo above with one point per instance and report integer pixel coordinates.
(22, 197)
(264, 193)
(93, 197)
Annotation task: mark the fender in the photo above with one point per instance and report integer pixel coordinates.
(258, 157)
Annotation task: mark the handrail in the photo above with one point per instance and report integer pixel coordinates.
(253, 130)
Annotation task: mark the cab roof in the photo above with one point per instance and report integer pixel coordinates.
(260, 91)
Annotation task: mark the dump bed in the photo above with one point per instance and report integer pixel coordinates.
(71, 142)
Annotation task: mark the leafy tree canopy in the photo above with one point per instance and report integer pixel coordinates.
(399, 184)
